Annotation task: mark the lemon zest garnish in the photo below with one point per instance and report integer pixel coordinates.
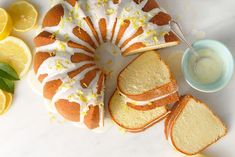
(66, 36)
(109, 11)
(135, 26)
(59, 65)
(54, 34)
(70, 97)
(69, 19)
(71, 81)
(76, 16)
(84, 113)
(71, 13)
(62, 46)
(109, 62)
(128, 8)
(102, 2)
(52, 116)
(83, 98)
(67, 62)
(137, 13)
(66, 85)
(151, 32)
(77, 6)
(93, 96)
(79, 92)
(155, 39)
(88, 7)
(162, 34)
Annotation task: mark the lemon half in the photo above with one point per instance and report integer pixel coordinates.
(24, 16)
(16, 53)
(5, 24)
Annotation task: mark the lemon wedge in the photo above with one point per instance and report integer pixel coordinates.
(2, 102)
(24, 16)
(5, 24)
(16, 53)
(8, 102)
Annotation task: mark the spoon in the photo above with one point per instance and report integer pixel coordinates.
(177, 30)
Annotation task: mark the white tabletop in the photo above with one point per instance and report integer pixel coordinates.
(27, 130)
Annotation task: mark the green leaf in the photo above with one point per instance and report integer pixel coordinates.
(7, 85)
(7, 72)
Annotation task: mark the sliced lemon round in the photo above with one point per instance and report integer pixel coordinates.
(2, 102)
(24, 16)
(16, 53)
(8, 101)
(5, 24)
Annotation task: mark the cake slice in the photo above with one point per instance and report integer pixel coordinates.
(191, 127)
(130, 119)
(147, 82)
(146, 77)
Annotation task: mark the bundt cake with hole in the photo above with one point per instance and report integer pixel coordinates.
(72, 31)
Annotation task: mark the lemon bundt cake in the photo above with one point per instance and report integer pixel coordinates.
(73, 30)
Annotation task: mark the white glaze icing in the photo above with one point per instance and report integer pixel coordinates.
(143, 103)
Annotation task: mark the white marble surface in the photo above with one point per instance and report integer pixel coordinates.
(27, 130)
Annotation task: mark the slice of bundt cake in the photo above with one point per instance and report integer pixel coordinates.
(147, 82)
(130, 119)
(192, 126)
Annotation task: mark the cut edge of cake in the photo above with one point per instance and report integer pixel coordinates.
(173, 125)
